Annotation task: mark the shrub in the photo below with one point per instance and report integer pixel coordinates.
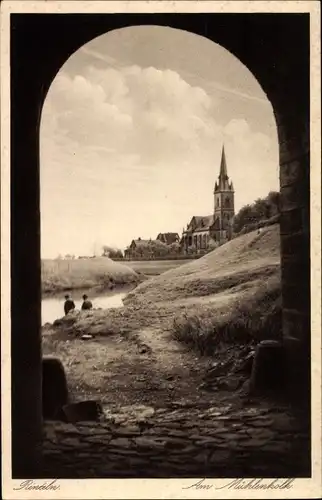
(250, 322)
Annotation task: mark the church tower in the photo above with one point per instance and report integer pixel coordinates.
(224, 209)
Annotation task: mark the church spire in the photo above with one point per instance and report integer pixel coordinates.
(223, 166)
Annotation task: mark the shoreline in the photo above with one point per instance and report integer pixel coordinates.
(99, 288)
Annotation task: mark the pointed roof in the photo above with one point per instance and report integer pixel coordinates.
(223, 165)
(201, 223)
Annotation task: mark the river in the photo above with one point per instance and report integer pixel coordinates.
(52, 306)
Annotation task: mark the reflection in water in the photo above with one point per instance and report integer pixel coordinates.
(53, 307)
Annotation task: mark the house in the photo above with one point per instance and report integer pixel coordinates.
(168, 238)
(139, 248)
(151, 248)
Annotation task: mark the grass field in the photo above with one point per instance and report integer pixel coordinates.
(59, 275)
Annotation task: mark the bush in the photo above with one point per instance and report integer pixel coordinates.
(252, 321)
(262, 210)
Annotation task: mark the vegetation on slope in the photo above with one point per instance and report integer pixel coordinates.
(232, 295)
(58, 275)
(261, 211)
(256, 316)
(253, 257)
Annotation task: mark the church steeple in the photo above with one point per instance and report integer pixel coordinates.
(223, 166)
(223, 180)
(224, 210)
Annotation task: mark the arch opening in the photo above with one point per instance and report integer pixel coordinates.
(290, 151)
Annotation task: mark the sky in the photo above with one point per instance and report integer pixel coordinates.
(131, 135)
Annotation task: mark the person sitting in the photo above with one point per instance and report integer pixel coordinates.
(86, 305)
(69, 304)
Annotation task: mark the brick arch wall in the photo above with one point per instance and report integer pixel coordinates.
(276, 50)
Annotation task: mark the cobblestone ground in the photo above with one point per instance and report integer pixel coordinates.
(237, 439)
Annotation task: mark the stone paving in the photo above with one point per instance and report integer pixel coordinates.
(245, 440)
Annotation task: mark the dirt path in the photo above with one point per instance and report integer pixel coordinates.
(146, 367)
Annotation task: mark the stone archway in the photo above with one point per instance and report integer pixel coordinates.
(275, 48)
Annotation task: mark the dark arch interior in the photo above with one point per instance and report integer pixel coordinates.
(275, 48)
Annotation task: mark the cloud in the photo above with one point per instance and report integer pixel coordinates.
(252, 154)
(145, 111)
(246, 140)
(97, 55)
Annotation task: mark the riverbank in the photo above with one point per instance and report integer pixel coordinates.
(52, 304)
(100, 273)
(81, 274)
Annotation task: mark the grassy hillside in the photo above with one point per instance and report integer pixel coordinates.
(242, 262)
(232, 294)
(58, 275)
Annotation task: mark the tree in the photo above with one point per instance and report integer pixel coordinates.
(274, 201)
(112, 253)
(192, 250)
(158, 248)
(174, 248)
(118, 254)
(262, 209)
(212, 245)
(242, 218)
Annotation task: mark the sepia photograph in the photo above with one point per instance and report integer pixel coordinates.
(161, 249)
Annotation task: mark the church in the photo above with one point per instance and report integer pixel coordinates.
(217, 226)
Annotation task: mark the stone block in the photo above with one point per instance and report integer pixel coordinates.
(298, 359)
(295, 245)
(294, 171)
(291, 149)
(296, 296)
(268, 367)
(83, 411)
(54, 388)
(292, 221)
(296, 272)
(293, 196)
(293, 134)
(296, 325)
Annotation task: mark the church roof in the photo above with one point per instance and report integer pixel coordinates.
(140, 241)
(202, 222)
(168, 238)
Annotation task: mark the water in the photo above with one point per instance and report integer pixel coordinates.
(53, 307)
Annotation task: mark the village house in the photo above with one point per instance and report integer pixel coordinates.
(168, 238)
(217, 226)
(138, 248)
(149, 248)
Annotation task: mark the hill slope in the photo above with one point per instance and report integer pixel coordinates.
(232, 295)
(241, 262)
